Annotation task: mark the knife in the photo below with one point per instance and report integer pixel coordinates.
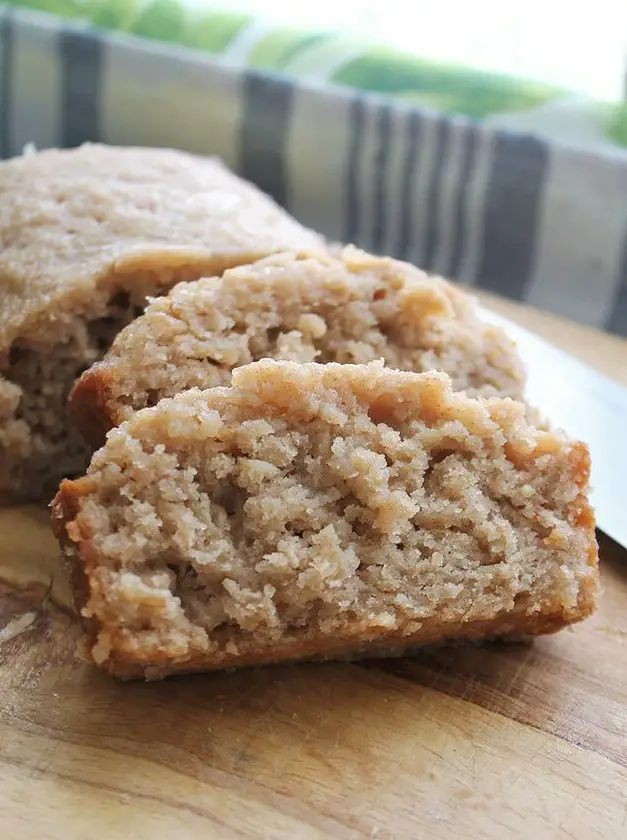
(589, 407)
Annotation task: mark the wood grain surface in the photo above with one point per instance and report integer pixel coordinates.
(494, 741)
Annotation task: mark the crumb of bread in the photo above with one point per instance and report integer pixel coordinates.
(312, 511)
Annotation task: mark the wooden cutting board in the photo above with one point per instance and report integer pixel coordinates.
(499, 741)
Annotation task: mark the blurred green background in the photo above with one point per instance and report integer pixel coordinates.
(338, 58)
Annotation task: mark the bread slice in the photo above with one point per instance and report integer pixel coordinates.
(86, 235)
(315, 511)
(352, 308)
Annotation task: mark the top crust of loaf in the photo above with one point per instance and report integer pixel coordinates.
(71, 220)
(352, 308)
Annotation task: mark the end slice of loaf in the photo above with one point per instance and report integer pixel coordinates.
(316, 511)
(86, 234)
(354, 308)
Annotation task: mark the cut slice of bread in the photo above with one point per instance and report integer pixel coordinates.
(86, 234)
(351, 309)
(315, 511)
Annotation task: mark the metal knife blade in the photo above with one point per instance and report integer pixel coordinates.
(589, 407)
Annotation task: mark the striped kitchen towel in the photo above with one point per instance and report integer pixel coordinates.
(529, 219)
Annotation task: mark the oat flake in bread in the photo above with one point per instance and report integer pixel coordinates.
(350, 308)
(317, 511)
(85, 236)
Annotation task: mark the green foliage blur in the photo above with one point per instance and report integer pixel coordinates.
(446, 87)
(408, 78)
(162, 20)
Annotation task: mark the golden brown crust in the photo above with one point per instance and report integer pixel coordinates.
(91, 406)
(389, 646)
(361, 647)
(64, 508)
(65, 505)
